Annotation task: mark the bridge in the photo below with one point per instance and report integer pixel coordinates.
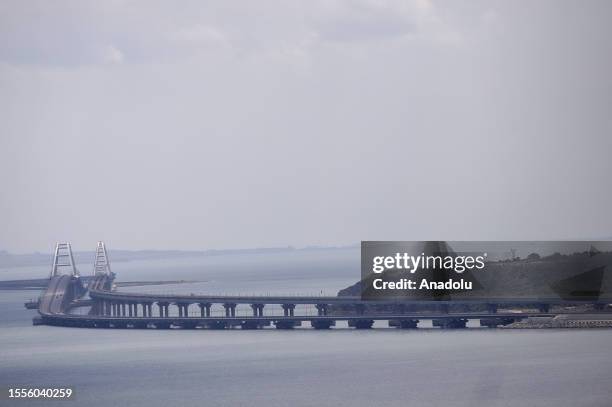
(116, 309)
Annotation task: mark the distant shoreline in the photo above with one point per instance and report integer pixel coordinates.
(41, 283)
(87, 257)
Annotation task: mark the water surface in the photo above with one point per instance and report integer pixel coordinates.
(342, 367)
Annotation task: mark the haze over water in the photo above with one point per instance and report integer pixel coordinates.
(341, 367)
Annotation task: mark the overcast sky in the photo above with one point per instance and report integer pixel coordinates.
(195, 125)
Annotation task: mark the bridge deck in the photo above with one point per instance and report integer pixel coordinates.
(107, 309)
(288, 299)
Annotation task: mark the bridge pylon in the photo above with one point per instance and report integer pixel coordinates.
(102, 262)
(63, 259)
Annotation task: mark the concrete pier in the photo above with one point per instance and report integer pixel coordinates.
(164, 309)
(257, 310)
(216, 324)
(183, 309)
(288, 309)
(254, 324)
(322, 309)
(404, 323)
(204, 309)
(494, 322)
(287, 323)
(450, 323)
(361, 323)
(230, 309)
(322, 323)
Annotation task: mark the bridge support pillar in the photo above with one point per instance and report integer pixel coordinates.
(288, 309)
(257, 310)
(492, 308)
(230, 310)
(95, 308)
(204, 309)
(146, 309)
(163, 309)
(322, 309)
(360, 309)
(401, 308)
(542, 307)
(183, 310)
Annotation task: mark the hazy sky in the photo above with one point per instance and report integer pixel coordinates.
(223, 124)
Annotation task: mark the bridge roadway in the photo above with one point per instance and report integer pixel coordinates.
(63, 293)
(112, 309)
(103, 294)
(60, 294)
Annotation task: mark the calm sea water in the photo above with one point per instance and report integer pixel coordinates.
(341, 367)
